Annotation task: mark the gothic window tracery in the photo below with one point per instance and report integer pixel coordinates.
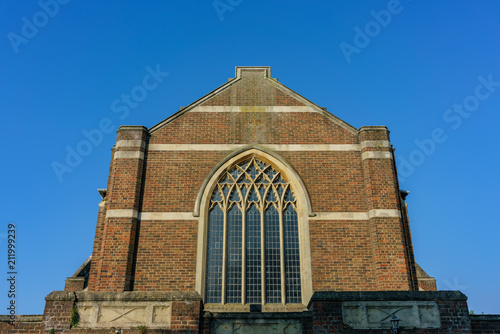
(253, 240)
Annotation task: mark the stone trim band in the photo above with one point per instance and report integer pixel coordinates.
(375, 213)
(130, 143)
(128, 155)
(253, 109)
(121, 213)
(275, 147)
(376, 155)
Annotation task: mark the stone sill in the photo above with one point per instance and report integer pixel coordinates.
(245, 308)
(258, 315)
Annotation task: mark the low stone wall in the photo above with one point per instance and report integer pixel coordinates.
(370, 312)
(108, 312)
(57, 312)
(429, 312)
(485, 324)
(21, 324)
(135, 309)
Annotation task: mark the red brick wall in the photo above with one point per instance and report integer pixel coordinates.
(341, 257)
(454, 315)
(185, 316)
(253, 90)
(166, 256)
(22, 325)
(118, 240)
(334, 180)
(173, 179)
(346, 255)
(74, 284)
(485, 324)
(452, 305)
(427, 284)
(57, 312)
(95, 264)
(252, 127)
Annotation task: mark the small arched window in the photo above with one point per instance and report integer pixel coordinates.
(253, 237)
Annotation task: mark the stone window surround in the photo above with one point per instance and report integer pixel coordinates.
(254, 186)
(303, 212)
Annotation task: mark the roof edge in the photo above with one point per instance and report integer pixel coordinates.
(274, 82)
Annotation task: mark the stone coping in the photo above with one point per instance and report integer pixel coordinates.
(60, 296)
(126, 296)
(22, 318)
(485, 317)
(75, 279)
(386, 296)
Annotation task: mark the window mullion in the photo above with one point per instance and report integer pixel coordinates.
(262, 252)
(224, 254)
(282, 251)
(243, 252)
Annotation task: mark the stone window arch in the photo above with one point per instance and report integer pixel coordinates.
(254, 231)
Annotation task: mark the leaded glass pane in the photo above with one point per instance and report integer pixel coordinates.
(244, 191)
(214, 255)
(225, 190)
(234, 251)
(280, 190)
(292, 255)
(234, 173)
(217, 197)
(252, 197)
(234, 196)
(270, 173)
(289, 196)
(261, 179)
(244, 165)
(253, 259)
(252, 171)
(243, 179)
(270, 196)
(272, 256)
(226, 179)
(262, 191)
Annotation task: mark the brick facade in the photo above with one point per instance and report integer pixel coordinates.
(149, 242)
(345, 255)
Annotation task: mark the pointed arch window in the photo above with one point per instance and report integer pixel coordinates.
(253, 237)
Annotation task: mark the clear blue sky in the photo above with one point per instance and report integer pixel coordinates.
(428, 70)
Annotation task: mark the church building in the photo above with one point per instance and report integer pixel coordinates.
(252, 210)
